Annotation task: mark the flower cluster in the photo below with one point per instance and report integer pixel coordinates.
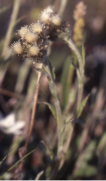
(33, 38)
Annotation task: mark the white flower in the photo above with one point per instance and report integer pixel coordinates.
(17, 48)
(45, 16)
(9, 126)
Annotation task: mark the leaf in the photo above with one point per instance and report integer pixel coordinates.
(41, 70)
(83, 104)
(85, 170)
(16, 163)
(66, 80)
(102, 144)
(52, 109)
(6, 156)
(87, 153)
(39, 175)
(49, 151)
(74, 61)
(52, 70)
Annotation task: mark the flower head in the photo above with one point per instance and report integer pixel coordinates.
(17, 48)
(30, 37)
(56, 20)
(34, 50)
(36, 27)
(23, 31)
(45, 16)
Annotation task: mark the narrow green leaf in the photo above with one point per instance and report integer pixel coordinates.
(6, 156)
(83, 104)
(49, 150)
(74, 60)
(52, 70)
(52, 109)
(16, 164)
(102, 144)
(42, 70)
(66, 80)
(39, 175)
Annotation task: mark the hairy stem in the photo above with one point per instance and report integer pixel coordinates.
(54, 92)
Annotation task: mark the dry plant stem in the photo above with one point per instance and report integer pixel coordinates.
(32, 116)
(11, 27)
(11, 94)
(80, 69)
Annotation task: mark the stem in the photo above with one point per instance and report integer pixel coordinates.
(62, 7)
(11, 27)
(54, 92)
(32, 117)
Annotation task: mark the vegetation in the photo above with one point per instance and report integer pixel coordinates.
(52, 114)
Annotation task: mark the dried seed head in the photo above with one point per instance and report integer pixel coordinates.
(23, 31)
(56, 20)
(80, 10)
(30, 37)
(17, 48)
(36, 27)
(45, 16)
(34, 50)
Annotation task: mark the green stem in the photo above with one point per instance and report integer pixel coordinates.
(54, 92)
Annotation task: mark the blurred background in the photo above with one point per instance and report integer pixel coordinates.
(86, 158)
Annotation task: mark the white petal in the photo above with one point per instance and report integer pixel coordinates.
(8, 121)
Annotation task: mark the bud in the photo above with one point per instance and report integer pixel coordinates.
(30, 37)
(56, 20)
(23, 31)
(17, 48)
(36, 27)
(34, 50)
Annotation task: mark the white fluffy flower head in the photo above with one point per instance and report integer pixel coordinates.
(56, 20)
(30, 37)
(34, 50)
(46, 15)
(23, 31)
(17, 48)
(36, 27)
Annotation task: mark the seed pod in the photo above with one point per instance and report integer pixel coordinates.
(17, 48)
(56, 20)
(36, 27)
(34, 50)
(30, 37)
(23, 31)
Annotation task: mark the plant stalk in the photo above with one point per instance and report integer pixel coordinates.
(54, 92)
